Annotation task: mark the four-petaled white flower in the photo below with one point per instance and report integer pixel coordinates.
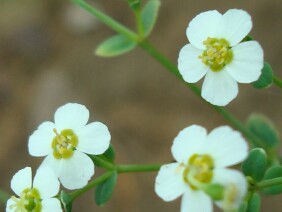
(35, 196)
(201, 161)
(66, 141)
(215, 52)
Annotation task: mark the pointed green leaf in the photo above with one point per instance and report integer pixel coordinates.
(266, 78)
(255, 165)
(66, 201)
(110, 154)
(115, 46)
(273, 172)
(254, 203)
(149, 15)
(264, 130)
(104, 190)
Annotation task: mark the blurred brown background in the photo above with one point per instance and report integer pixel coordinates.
(46, 60)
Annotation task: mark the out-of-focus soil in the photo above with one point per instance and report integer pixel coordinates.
(47, 60)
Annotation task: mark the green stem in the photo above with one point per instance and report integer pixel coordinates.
(116, 26)
(137, 168)
(112, 168)
(91, 185)
(269, 183)
(277, 81)
(100, 161)
(139, 23)
(4, 196)
(165, 62)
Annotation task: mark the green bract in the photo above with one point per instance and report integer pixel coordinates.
(255, 164)
(273, 172)
(266, 78)
(254, 203)
(115, 46)
(110, 153)
(262, 127)
(104, 190)
(66, 201)
(149, 15)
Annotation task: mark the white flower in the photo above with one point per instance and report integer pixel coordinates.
(215, 52)
(201, 161)
(66, 141)
(36, 196)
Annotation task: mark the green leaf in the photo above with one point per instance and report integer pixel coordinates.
(243, 207)
(66, 201)
(115, 46)
(134, 4)
(266, 78)
(255, 165)
(273, 172)
(254, 203)
(263, 128)
(104, 190)
(110, 154)
(149, 15)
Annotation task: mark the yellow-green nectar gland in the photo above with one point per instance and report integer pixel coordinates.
(230, 197)
(29, 201)
(218, 53)
(64, 144)
(199, 169)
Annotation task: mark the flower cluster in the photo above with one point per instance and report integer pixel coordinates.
(217, 52)
(200, 172)
(65, 143)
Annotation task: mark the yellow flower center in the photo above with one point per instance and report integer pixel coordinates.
(199, 170)
(217, 55)
(64, 144)
(29, 201)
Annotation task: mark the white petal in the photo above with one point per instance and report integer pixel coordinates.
(71, 116)
(169, 182)
(238, 183)
(46, 182)
(190, 66)
(52, 204)
(236, 25)
(196, 201)
(189, 141)
(94, 138)
(76, 171)
(9, 203)
(226, 146)
(247, 62)
(204, 25)
(219, 88)
(21, 180)
(39, 143)
(53, 163)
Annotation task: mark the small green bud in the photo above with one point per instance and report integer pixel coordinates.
(215, 191)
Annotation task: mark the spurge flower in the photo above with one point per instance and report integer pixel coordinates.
(217, 52)
(66, 143)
